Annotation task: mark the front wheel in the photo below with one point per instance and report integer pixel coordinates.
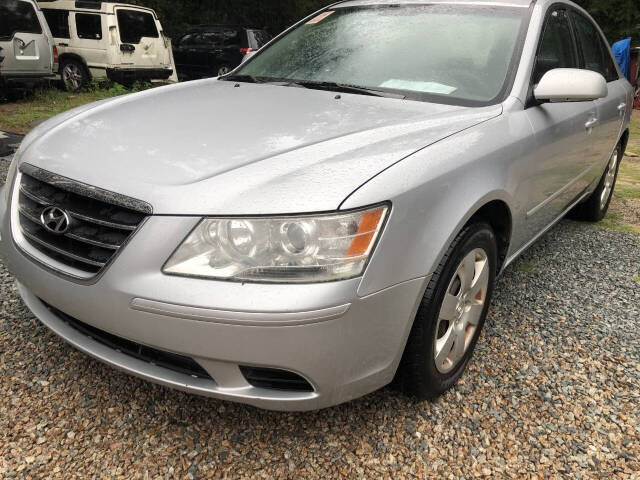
(595, 208)
(451, 316)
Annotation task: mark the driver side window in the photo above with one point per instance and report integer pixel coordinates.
(557, 48)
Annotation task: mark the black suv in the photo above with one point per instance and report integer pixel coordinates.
(214, 50)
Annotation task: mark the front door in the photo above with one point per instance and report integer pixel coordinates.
(564, 133)
(23, 42)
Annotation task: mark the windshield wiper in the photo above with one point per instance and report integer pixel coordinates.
(345, 88)
(241, 78)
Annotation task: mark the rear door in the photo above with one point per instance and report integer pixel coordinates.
(24, 45)
(58, 21)
(596, 56)
(141, 35)
(88, 30)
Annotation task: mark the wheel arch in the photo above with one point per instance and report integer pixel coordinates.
(73, 56)
(498, 215)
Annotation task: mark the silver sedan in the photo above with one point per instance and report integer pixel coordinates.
(329, 217)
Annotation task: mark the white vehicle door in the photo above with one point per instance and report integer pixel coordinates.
(88, 30)
(141, 40)
(24, 45)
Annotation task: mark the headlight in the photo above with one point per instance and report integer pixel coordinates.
(303, 249)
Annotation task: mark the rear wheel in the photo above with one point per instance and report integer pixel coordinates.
(595, 208)
(451, 315)
(223, 70)
(74, 75)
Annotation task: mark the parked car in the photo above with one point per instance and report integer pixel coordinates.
(211, 51)
(99, 40)
(27, 49)
(354, 235)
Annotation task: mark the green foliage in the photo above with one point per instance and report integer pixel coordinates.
(618, 18)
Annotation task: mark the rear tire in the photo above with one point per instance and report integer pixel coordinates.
(451, 316)
(595, 208)
(223, 70)
(74, 74)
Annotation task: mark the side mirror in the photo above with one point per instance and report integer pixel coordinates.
(570, 85)
(247, 56)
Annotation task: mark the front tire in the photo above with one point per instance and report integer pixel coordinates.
(595, 208)
(451, 316)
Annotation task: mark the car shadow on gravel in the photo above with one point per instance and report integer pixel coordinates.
(555, 382)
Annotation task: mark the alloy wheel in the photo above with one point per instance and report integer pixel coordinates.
(461, 310)
(72, 76)
(609, 180)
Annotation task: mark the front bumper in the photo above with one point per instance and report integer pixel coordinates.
(346, 346)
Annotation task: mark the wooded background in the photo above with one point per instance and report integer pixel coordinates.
(618, 18)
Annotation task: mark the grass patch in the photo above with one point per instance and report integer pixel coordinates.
(18, 117)
(636, 278)
(615, 221)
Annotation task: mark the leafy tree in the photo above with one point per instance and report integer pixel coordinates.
(618, 18)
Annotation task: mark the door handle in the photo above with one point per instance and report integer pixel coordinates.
(591, 123)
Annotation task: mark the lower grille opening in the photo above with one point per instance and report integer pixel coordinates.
(160, 358)
(275, 379)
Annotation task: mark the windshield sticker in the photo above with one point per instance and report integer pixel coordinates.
(319, 18)
(426, 87)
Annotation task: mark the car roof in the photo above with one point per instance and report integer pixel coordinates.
(500, 3)
(90, 6)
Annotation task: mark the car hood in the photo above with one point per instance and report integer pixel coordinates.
(211, 147)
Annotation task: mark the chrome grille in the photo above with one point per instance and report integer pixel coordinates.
(100, 222)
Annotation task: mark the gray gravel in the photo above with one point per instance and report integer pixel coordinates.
(553, 391)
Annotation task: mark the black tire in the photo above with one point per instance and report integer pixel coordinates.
(594, 209)
(223, 70)
(74, 75)
(418, 374)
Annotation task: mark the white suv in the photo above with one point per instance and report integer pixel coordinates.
(99, 40)
(27, 49)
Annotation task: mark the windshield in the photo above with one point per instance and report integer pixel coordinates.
(441, 53)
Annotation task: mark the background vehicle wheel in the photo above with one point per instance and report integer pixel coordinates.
(223, 70)
(595, 208)
(74, 75)
(451, 315)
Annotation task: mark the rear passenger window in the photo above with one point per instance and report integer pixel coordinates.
(17, 16)
(220, 38)
(89, 26)
(58, 21)
(594, 51)
(557, 48)
(134, 25)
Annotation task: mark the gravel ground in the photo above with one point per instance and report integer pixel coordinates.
(553, 391)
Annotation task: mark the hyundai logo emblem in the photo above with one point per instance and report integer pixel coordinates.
(55, 220)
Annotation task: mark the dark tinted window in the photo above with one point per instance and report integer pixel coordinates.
(135, 25)
(257, 38)
(220, 38)
(557, 48)
(58, 21)
(17, 17)
(594, 51)
(89, 26)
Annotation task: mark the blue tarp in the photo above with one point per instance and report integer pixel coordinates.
(622, 52)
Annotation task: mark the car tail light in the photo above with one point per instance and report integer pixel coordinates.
(56, 58)
(246, 50)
